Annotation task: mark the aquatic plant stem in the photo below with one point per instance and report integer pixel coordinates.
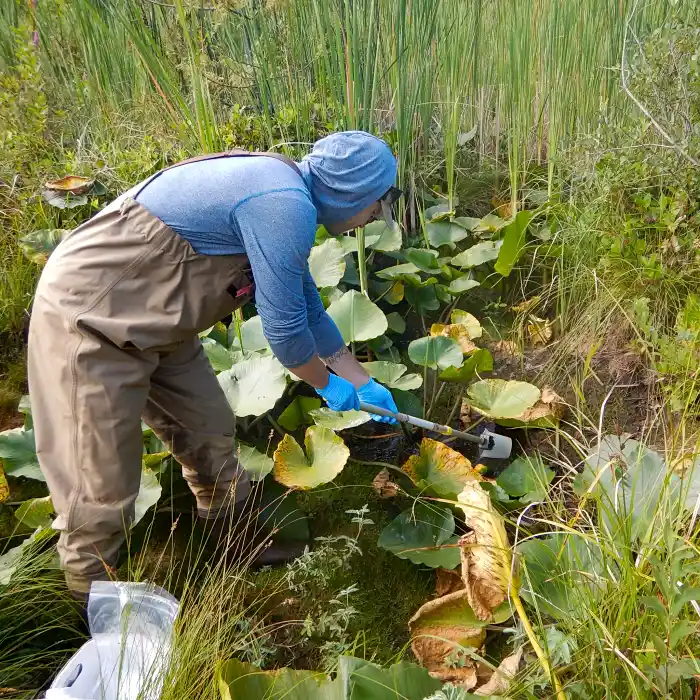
(542, 657)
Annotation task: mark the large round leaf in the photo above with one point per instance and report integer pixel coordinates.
(466, 319)
(38, 245)
(357, 317)
(419, 533)
(326, 455)
(478, 254)
(393, 375)
(423, 299)
(462, 284)
(424, 259)
(257, 464)
(457, 331)
(479, 361)
(435, 352)
(18, 454)
(407, 272)
(338, 420)
(381, 237)
(445, 233)
(326, 263)
(252, 387)
(252, 336)
(498, 398)
(219, 356)
(298, 412)
(36, 512)
(149, 493)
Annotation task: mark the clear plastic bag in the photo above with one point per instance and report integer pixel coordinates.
(131, 628)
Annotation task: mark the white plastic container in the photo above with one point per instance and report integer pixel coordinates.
(131, 627)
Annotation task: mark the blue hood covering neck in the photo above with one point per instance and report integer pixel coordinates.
(346, 172)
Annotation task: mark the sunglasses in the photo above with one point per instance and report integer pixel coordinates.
(392, 196)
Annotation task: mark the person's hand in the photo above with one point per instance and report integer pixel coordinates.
(339, 394)
(378, 395)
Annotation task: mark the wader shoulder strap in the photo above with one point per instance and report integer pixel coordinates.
(237, 153)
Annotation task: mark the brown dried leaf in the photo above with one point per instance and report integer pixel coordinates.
(499, 684)
(486, 553)
(506, 348)
(75, 184)
(447, 581)
(550, 408)
(457, 331)
(526, 305)
(4, 486)
(383, 486)
(539, 330)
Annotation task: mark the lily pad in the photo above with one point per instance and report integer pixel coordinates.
(498, 398)
(357, 317)
(419, 533)
(396, 322)
(462, 284)
(36, 512)
(447, 233)
(478, 361)
(434, 352)
(466, 319)
(219, 356)
(546, 413)
(393, 375)
(253, 387)
(64, 201)
(406, 272)
(298, 412)
(252, 335)
(439, 469)
(527, 479)
(438, 212)
(149, 493)
(37, 246)
(338, 420)
(423, 299)
(75, 184)
(491, 223)
(425, 260)
(11, 560)
(326, 455)
(379, 236)
(457, 331)
(478, 254)
(257, 464)
(327, 263)
(18, 453)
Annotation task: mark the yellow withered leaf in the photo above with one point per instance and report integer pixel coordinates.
(75, 184)
(546, 412)
(457, 331)
(383, 486)
(526, 305)
(500, 681)
(486, 553)
(4, 486)
(539, 330)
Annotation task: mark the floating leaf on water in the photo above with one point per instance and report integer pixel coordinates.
(503, 676)
(539, 330)
(435, 351)
(298, 412)
(462, 284)
(478, 254)
(327, 263)
(457, 331)
(439, 469)
(35, 512)
(4, 486)
(486, 553)
(18, 453)
(257, 464)
(383, 486)
(468, 320)
(479, 361)
(75, 184)
(149, 493)
(447, 233)
(253, 387)
(526, 478)
(423, 534)
(37, 246)
(326, 455)
(393, 375)
(64, 201)
(499, 398)
(338, 420)
(357, 317)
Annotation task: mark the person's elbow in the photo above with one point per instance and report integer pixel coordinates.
(293, 349)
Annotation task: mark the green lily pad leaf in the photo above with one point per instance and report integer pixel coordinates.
(149, 493)
(327, 263)
(447, 233)
(252, 336)
(220, 357)
(338, 420)
(467, 222)
(379, 236)
(38, 245)
(18, 453)
(253, 387)
(357, 317)
(439, 469)
(154, 460)
(62, 200)
(36, 512)
(241, 681)
(298, 412)
(408, 403)
(434, 352)
(329, 295)
(437, 212)
(527, 478)
(470, 322)
(326, 455)
(407, 272)
(393, 375)
(490, 222)
(363, 680)
(25, 407)
(480, 360)
(462, 284)
(257, 464)
(280, 514)
(513, 243)
(419, 533)
(478, 254)
(423, 259)
(396, 322)
(423, 299)
(498, 398)
(11, 560)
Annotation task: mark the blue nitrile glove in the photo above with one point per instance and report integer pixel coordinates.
(378, 395)
(339, 394)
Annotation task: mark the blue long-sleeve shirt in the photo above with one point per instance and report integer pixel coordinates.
(261, 207)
